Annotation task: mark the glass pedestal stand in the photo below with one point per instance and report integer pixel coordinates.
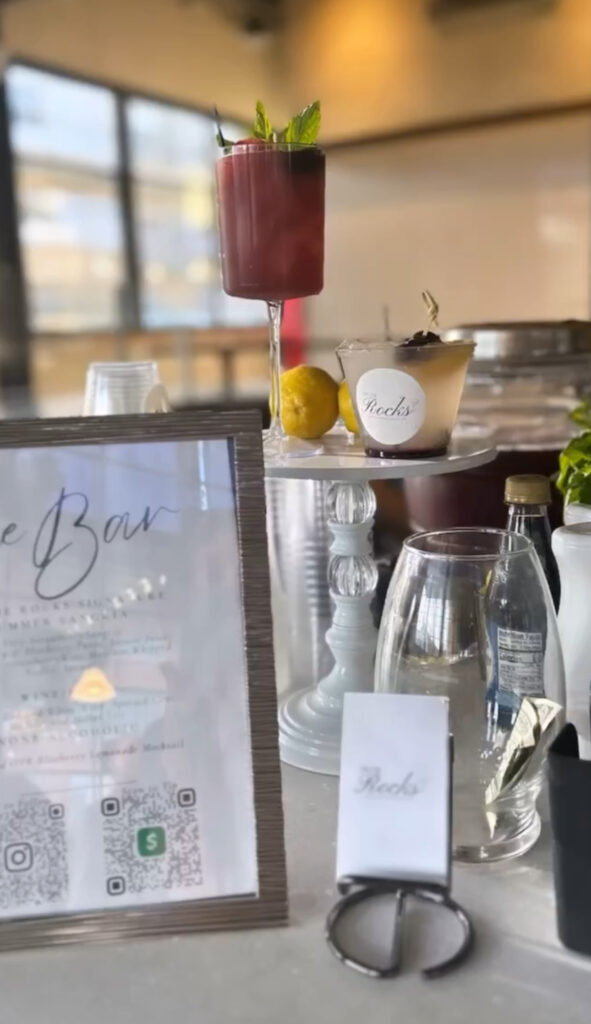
(310, 718)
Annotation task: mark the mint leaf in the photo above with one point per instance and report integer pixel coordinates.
(582, 415)
(304, 127)
(578, 488)
(263, 128)
(574, 480)
(583, 494)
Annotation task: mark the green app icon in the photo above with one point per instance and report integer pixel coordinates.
(151, 842)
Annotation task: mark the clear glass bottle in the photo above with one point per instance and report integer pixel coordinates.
(528, 497)
(518, 645)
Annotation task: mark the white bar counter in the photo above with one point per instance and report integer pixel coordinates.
(517, 974)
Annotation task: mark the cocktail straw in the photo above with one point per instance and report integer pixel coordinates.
(219, 134)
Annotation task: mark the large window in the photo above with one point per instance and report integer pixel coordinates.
(116, 209)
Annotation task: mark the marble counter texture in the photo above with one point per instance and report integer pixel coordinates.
(517, 973)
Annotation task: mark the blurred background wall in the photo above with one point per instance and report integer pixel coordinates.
(454, 183)
(390, 65)
(459, 153)
(187, 52)
(494, 221)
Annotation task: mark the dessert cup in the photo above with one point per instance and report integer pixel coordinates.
(406, 396)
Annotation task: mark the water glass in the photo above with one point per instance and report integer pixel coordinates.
(469, 616)
(115, 388)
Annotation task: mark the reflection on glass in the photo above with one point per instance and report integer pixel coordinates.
(105, 704)
(93, 687)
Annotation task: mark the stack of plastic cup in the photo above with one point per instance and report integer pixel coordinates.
(299, 544)
(117, 388)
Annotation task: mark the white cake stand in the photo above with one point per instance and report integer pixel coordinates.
(310, 719)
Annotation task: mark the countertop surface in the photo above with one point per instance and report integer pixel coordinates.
(518, 972)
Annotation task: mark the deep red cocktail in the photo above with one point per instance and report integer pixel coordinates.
(271, 218)
(271, 221)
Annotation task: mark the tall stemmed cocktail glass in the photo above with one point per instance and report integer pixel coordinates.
(271, 222)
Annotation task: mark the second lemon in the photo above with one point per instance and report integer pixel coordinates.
(346, 408)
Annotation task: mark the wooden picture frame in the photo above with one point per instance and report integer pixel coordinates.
(269, 906)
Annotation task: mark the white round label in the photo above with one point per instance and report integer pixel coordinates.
(391, 405)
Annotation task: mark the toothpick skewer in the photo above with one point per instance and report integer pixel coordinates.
(432, 309)
(386, 319)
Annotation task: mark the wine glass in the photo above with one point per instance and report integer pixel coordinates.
(469, 616)
(271, 222)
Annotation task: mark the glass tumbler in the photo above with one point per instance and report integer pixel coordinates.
(469, 616)
(406, 397)
(115, 388)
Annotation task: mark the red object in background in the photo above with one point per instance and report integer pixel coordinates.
(293, 333)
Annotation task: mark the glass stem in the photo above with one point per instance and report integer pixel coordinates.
(275, 311)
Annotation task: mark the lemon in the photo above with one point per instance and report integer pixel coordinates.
(309, 402)
(346, 409)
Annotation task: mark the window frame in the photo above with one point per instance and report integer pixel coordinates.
(131, 317)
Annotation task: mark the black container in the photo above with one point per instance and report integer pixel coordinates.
(570, 811)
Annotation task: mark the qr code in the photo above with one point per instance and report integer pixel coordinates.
(151, 839)
(34, 865)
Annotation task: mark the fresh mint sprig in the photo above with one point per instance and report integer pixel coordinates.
(304, 127)
(574, 477)
(582, 415)
(262, 129)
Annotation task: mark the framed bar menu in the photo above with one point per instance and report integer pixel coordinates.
(139, 772)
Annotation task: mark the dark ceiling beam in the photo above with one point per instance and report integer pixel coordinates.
(474, 122)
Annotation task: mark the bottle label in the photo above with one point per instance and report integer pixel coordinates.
(520, 662)
(391, 405)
